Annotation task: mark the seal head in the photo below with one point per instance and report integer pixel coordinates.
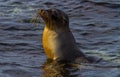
(55, 17)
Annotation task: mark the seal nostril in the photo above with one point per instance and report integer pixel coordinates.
(41, 10)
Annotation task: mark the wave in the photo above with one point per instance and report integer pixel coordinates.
(15, 28)
(14, 44)
(106, 4)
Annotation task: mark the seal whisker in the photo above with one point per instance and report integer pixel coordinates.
(35, 19)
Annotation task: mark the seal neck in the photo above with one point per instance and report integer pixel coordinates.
(56, 27)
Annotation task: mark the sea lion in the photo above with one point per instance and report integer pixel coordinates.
(58, 41)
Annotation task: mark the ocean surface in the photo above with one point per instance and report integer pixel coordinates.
(94, 23)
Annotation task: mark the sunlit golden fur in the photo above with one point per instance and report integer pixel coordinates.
(58, 41)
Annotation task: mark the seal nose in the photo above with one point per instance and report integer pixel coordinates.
(41, 10)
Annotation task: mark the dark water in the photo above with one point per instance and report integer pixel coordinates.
(94, 23)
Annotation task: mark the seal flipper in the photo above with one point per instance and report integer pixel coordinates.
(88, 59)
(94, 59)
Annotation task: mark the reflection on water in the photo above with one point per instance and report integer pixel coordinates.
(94, 23)
(55, 69)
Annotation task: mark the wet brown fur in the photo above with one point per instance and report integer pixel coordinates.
(58, 41)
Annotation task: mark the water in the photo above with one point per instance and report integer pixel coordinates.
(94, 23)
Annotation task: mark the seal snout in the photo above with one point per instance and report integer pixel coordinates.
(42, 12)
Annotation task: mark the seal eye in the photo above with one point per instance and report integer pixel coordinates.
(55, 18)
